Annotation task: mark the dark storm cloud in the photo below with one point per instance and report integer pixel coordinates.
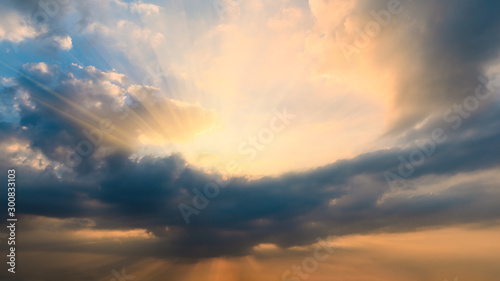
(448, 44)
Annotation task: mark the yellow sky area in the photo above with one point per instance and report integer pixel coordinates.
(245, 69)
(278, 55)
(467, 252)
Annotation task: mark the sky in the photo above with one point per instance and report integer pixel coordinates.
(251, 140)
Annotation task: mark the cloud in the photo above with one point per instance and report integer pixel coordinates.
(145, 9)
(38, 24)
(65, 43)
(14, 28)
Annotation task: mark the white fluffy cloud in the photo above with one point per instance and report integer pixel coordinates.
(64, 42)
(145, 9)
(14, 28)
